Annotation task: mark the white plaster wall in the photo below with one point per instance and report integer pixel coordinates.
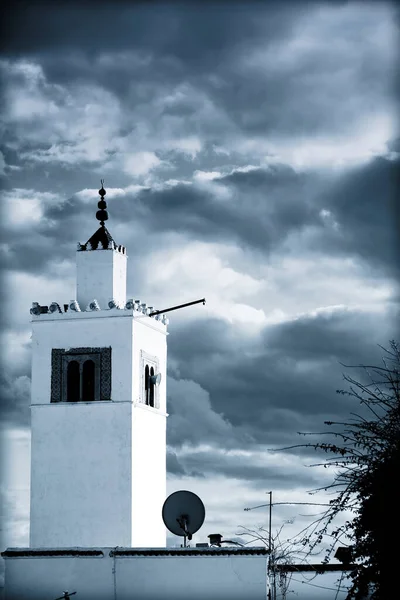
(148, 336)
(148, 441)
(81, 453)
(101, 274)
(45, 578)
(138, 578)
(194, 577)
(98, 472)
(148, 477)
(80, 476)
(80, 330)
(119, 276)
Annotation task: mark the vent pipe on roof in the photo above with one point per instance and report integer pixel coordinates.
(215, 539)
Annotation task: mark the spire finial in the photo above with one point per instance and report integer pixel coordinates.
(102, 214)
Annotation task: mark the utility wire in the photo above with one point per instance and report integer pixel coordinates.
(288, 503)
(304, 503)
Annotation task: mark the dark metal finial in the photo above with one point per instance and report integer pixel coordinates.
(102, 214)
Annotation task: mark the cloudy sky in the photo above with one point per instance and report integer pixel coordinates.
(249, 154)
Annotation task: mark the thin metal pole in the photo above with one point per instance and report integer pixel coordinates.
(164, 310)
(271, 559)
(270, 523)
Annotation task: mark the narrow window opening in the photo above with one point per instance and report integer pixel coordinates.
(88, 381)
(146, 384)
(73, 381)
(151, 386)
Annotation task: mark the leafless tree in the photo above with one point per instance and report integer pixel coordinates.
(365, 454)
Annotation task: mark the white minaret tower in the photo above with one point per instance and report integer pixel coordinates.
(98, 462)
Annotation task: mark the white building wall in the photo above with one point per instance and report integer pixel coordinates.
(73, 330)
(98, 469)
(148, 336)
(101, 275)
(201, 577)
(149, 473)
(191, 577)
(80, 478)
(40, 578)
(148, 477)
(119, 277)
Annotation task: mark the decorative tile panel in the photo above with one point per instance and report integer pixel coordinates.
(59, 362)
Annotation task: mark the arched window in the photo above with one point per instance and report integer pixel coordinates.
(149, 392)
(80, 374)
(146, 384)
(73, 381)
(88, 372)
(151, 386)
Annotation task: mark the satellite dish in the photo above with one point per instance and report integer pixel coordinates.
(155, 379)
(183, 513)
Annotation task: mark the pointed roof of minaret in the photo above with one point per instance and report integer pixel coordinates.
(102, 237)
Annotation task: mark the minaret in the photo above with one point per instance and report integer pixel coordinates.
(98, 406)
(101, 275)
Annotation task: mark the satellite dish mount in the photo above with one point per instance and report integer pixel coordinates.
(183, 522)
(183, 514)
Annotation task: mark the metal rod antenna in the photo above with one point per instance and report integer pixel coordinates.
(159, 312)
(271, 559)
(270, 523)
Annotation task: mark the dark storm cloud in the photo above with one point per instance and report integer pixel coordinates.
(15, 382)
(174, 30)
(66, 221)
(31, 247)
(365, 204)
(267, 205)
(15, 399)
(306, 97)
(323, 336)
(174, 467)
(287, 383)
(263, 208)
(240, 467)
(32, 255)
(228, 52)
(175, 44)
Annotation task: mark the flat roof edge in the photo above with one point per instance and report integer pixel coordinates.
(120, 551)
